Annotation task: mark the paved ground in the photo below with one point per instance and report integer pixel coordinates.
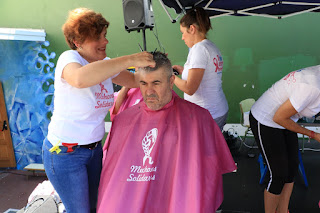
(243, 193)
(16, 186)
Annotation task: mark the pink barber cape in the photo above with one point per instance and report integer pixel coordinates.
(165, 161)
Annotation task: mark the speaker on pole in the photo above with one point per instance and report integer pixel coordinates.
(138, 14)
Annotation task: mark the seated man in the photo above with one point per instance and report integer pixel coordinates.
(164, 154)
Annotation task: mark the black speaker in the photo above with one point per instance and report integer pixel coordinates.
(138, 14)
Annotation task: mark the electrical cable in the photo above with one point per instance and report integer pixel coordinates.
(155, 33)
(234, 134)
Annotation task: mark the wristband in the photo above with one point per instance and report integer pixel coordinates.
(312, 134)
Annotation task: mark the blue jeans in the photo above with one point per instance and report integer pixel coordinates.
(74, 175)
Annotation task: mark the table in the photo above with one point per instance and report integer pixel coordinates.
(305, 124)
(35, 167)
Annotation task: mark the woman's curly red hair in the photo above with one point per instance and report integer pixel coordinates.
(83, 24)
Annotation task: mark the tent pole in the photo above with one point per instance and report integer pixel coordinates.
(301, 3)
(298, 13)
(144, 39)
(165, 9)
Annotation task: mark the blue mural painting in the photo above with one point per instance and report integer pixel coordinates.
(27, 75)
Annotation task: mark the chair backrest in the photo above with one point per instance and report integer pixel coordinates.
(245, 106)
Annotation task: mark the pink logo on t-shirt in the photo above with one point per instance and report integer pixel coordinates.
(290, 78)
(103, 97)
(218, 63)
(103, 88)
(103, 94)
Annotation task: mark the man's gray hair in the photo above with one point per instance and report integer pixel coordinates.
(161, 61)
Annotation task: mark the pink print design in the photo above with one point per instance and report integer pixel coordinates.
(218, 63)
(103, 88)
(103, 98)
(290, 78)
(103, 94)
(148, 143)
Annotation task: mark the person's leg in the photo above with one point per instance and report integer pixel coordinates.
(68, 174)
(285, 198)
(293, 161)
(271, 143)
(271, 202)
(221, 121)
(94, 170)
(277, 166)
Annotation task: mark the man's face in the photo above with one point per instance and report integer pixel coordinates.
(155, 88)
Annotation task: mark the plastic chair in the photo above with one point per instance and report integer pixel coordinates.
(245, 106)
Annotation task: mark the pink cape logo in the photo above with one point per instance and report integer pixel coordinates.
(148, 143)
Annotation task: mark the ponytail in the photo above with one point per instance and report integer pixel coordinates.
(196, 16)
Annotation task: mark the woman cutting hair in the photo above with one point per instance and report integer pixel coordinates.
(202, 72)
(72, 152)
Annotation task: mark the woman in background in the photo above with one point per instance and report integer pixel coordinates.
(273, 120)
(72, 152)
(202, 72)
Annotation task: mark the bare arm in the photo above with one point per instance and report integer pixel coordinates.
(190, 85)
(122, 94)
(127, 79)
(96, 72)
(283, 118)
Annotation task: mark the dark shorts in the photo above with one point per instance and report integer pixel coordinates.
(279, 149)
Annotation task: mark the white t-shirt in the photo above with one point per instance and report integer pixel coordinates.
(301, 87)
(209, 95)
(78, 115)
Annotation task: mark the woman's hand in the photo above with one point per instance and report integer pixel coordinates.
(77, 75)
(191, 85)
(178, 68)
(143, 59)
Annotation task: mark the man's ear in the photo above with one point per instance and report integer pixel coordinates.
(172, 81)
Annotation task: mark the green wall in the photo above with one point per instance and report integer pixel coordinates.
(257, 51)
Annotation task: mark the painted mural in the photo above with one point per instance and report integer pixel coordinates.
(27, 75)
